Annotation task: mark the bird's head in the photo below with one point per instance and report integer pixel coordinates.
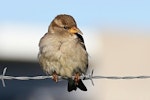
(64, 24)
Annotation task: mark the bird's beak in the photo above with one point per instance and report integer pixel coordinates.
(74, 30)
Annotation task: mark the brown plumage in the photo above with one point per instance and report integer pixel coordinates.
(62, 51)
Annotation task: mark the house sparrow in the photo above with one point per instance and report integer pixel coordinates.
(63, 53)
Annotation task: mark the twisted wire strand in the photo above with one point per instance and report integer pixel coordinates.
(83, 77)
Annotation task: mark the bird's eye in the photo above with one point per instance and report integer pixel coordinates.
(65, 27)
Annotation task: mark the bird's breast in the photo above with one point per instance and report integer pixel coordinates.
(64, 56)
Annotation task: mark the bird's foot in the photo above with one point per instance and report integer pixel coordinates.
(55, 76)
(77, 78)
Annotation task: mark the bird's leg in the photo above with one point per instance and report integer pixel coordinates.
(76, 78)
(55, 76)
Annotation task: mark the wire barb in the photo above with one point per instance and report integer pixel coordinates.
(2, 77)
(91, 76)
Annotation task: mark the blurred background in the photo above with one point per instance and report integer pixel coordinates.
(117, 37)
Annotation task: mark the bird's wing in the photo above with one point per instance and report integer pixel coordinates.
(81, 40)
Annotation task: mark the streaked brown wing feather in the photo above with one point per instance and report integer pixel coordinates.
(81, 40)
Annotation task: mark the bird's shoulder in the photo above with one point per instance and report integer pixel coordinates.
(45, 38)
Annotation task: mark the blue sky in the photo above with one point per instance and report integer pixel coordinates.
(26, 21)
(86, 12)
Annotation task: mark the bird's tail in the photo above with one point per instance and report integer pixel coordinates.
(73, 86)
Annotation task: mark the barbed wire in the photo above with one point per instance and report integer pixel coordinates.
(83, 77)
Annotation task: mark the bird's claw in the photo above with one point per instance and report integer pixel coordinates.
(55, 77)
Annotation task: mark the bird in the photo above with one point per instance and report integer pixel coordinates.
(62, 52)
